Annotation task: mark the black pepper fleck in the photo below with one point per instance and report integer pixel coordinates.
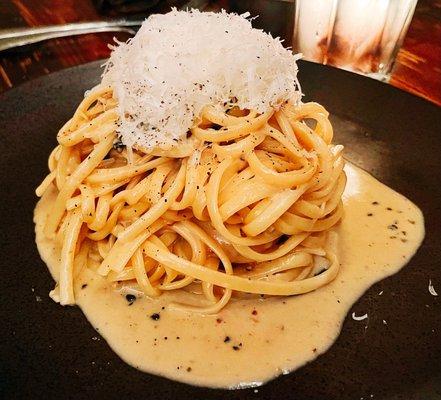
(155, 316)
(130, 298)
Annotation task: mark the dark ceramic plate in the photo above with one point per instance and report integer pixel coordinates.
(52, 352)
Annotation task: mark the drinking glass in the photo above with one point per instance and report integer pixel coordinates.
(362, 36)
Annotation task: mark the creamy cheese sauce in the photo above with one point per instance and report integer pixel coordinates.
(252, 340)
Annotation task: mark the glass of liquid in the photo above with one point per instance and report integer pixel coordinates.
(362, 36)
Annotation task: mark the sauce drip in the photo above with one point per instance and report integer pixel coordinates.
(252, 340)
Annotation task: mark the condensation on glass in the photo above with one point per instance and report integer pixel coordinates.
(363, 36)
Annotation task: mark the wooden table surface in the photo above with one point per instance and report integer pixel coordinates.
(417, 68)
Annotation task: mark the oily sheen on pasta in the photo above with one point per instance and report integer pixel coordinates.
(244, 203)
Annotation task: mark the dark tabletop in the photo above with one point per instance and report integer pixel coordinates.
(417, 70)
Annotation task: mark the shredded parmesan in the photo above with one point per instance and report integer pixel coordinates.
(360, 318)
(432, 290)
(184, 60)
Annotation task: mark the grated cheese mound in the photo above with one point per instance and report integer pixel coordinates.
(184, 60)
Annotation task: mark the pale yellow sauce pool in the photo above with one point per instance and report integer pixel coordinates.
(282, 334)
